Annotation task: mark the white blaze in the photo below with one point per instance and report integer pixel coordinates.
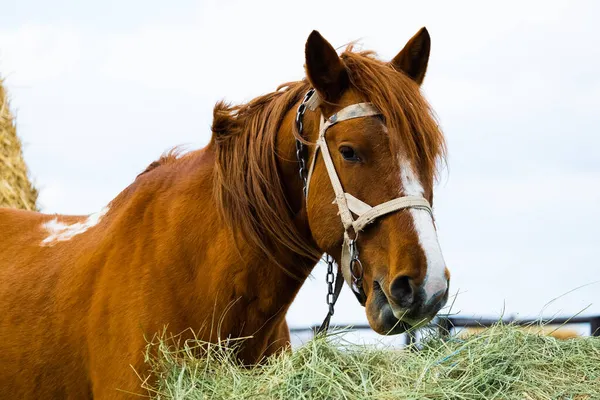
(435, 277)
(60, 231)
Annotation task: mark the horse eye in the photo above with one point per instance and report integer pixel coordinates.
(349, 154)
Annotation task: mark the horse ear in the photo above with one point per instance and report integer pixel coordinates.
(413, 58)
(324, 68)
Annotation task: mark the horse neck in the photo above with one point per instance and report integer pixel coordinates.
(273, 286)
(287, 163)
(259, 287)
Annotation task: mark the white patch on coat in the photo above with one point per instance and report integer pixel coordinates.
(435, 277)
(61, 232)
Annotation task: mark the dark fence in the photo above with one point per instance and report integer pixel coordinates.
(446, 325)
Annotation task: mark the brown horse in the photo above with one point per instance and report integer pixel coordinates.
(220, 240)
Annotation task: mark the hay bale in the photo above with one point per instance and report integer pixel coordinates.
(16, 189)
(556, 332)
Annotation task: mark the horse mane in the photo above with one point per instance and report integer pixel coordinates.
(247, 184)
(169, 157)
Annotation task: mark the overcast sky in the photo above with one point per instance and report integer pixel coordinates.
(102, 88)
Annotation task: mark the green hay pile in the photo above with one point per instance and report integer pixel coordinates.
(15, 188)
(502, 362)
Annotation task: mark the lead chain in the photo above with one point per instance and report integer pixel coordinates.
(330, 280)
(299, 145)
(303, 172)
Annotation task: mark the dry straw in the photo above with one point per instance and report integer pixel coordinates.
(15, 188)
(503, 362)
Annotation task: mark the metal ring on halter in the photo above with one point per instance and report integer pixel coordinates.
(357, 277)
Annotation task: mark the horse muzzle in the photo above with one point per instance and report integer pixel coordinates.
(400, 307)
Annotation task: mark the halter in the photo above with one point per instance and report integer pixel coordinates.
(350, 267)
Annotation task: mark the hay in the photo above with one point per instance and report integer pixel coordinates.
(503, 362)
(15, 188)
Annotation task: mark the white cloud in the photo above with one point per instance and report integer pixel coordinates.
(36, 53)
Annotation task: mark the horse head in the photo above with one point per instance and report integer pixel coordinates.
(370, 175)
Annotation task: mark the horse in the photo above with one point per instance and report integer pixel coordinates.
(218, 241)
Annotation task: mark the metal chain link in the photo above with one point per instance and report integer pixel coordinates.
(330, 280)
(300, 148)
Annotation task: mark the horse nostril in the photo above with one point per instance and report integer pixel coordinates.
(401, 291)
